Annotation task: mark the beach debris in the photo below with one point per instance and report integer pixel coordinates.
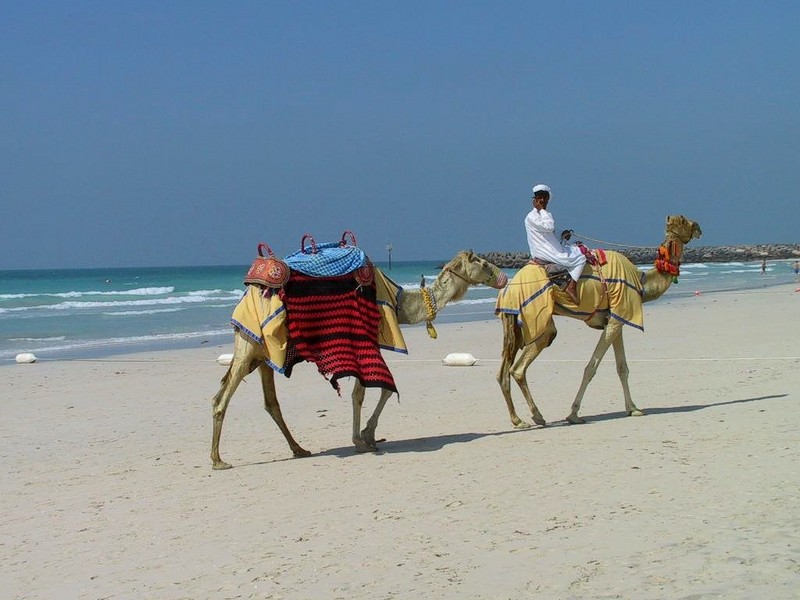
(459, 359)
(26, 357)
(225, 359)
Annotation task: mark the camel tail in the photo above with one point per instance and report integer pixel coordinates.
(509, 339)
(227, 376)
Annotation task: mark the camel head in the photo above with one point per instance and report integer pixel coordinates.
(475, 270)
(681, 228)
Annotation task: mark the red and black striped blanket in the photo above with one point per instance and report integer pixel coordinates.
(333, 322)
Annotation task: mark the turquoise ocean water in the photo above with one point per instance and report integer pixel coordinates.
(88, 313)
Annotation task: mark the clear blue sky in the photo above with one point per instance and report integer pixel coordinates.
(178, 133)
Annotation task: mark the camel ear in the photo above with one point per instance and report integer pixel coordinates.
(470, 254)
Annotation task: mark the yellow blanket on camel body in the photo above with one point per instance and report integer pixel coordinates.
(613, 290)
(262, 318)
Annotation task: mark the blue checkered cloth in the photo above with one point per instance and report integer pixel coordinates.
(330, 260)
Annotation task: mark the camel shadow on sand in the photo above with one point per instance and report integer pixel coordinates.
(426, 444)
(431, 444)
(437, 442)
(663, 410)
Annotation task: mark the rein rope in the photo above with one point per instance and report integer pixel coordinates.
(607, 243)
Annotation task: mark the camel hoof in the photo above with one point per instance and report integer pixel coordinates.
(575, 420)
(364, 448)
(301, 453)
(220, 466)
(522, 425)
(540, 421)
(635, 413)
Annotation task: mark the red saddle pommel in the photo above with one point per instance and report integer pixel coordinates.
(267, 271)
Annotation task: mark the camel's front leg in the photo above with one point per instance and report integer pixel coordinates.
(240, 366)
(358, 401)
(623, 371)
(274, 409)
(368, 433)
(610, 333)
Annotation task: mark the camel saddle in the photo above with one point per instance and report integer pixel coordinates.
(332, 314)
(559, 274)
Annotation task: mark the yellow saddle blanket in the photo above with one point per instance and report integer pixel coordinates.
(615, 289)
(263, 320)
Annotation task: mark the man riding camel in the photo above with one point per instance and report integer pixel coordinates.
(546, 247)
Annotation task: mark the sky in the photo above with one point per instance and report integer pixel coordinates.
(185, 133)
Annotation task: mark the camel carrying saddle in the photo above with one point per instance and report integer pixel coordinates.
(332, 314)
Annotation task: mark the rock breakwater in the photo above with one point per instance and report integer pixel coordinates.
(639, 256)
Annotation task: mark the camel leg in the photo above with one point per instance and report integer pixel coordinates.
(623, 371)
(520, 369)
(511, 344)
(610, 333)
(274, 409)
(358, 401)
(368, 433)
(241, 365)
(512, 341)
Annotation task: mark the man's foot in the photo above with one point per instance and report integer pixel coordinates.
(572, 291)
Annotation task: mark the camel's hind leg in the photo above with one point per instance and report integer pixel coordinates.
(520, 369)
(511, 344)
(274, 409)
(512, 341)
(612, 331)
(364, 441)
(368, 433)
(244, 361)
(623, 371)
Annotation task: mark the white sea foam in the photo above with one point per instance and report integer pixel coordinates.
(80, 345)
(57, 338)
(129, 313)
(86, 305)
(150, 291)
(491, 300)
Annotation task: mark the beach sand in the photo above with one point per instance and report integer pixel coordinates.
(108, 490)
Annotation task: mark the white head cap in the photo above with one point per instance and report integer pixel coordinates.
(540, 187)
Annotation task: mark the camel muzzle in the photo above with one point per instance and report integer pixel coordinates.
(500, 280)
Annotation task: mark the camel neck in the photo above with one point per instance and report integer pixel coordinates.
(657, 282)
(444, 289)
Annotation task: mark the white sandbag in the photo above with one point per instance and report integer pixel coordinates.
(26, 357)
(459, 359)
(225, 359)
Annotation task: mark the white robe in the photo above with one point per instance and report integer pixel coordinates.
(543, 243)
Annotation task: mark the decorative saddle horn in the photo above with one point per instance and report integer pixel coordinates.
(268, 271)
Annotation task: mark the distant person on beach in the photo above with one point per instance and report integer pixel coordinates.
(796, 270)
(545, 246)
(763, 266)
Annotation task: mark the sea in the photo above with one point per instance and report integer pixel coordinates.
(94, 313)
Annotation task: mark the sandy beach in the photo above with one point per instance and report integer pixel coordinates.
(108, 490)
